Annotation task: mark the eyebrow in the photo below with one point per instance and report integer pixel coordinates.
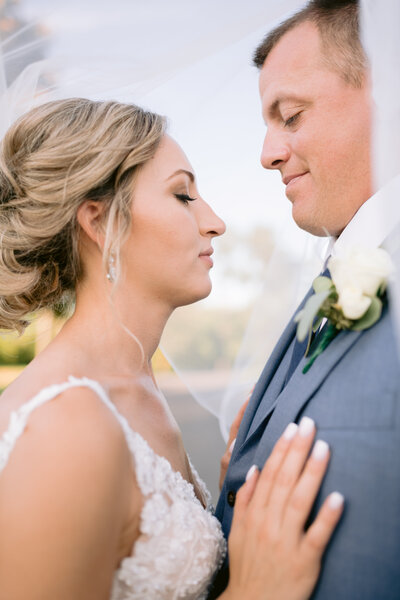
(180, 172)
(273, 108)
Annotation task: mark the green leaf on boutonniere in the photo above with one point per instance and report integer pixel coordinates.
(321, 284)
(371, 316)
(305, 318)
(325, 338)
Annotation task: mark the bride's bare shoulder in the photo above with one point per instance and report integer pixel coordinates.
(70, 423)
(66, 491)
(70, 426)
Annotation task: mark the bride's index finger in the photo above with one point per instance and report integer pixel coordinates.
(273, 464)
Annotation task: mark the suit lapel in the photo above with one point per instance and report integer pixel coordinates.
(264, 380)
(272, 392)
(268, 373)
(302, 387)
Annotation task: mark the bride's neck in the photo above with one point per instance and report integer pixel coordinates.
(120, 332)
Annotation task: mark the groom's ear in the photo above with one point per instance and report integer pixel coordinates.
(90, 216)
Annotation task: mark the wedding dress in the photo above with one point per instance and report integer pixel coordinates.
(180, 545)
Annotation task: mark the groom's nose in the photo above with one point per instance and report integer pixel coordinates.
(275, 150)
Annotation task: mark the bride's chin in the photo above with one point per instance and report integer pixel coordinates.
(194, 296)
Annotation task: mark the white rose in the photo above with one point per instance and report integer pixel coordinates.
(353, 302)
(364, 269)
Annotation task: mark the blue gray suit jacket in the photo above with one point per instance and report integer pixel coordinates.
(352, 391)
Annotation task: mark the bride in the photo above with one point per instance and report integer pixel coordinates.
(98, 499)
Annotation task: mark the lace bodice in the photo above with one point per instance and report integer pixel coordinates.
(180, 545)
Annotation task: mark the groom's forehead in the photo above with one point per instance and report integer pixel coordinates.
(300, 43)
(292, 64)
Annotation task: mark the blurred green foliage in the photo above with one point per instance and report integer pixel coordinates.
(206, 338)
(20, 349)
(17, 350)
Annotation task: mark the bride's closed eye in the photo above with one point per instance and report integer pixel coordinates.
(185, 198)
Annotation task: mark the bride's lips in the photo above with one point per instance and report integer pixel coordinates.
(206, 256)
(290, 180)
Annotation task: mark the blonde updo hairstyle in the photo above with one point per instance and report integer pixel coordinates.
(51, 160)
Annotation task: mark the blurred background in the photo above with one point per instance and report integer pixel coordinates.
(192, 62)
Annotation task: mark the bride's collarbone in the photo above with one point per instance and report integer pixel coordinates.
(148, 414)
(166, 441)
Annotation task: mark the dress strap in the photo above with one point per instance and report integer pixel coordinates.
(145, 459)
(19, 418)
(151, 470)
(141, 452)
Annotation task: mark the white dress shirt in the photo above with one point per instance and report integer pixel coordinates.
(372, 224)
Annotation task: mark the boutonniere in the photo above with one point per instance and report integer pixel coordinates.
(351, 298)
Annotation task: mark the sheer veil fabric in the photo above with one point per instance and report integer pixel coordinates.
(379, 29)
(192, 62)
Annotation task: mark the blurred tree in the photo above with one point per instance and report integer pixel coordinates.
(205, 338)
(15, 350)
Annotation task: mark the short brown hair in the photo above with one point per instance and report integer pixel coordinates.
(338, 24)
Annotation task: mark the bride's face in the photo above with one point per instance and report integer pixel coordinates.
(167, 254)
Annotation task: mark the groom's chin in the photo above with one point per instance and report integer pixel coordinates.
(304, 216)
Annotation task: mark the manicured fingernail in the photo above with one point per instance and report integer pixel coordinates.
(231, 447)
(336, 500)
(306, 426)
(320, 450)
(251, 472)
(290, 431)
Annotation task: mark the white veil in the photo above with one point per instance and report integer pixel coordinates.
(380, 35)
(192, 62)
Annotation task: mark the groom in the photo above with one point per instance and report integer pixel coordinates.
(314, 87)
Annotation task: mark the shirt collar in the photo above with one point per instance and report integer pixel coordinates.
(373, 222)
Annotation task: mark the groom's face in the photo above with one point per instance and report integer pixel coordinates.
(318, 133)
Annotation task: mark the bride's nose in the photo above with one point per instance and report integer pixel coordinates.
(210, 223)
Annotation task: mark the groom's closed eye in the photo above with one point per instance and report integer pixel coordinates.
(292, 120)
(284, 107)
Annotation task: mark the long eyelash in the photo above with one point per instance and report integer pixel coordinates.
(184, 198)
(291, 120)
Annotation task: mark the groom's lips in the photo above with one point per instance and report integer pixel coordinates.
(291, 179)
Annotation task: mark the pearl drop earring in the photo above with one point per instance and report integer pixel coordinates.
(112, 271)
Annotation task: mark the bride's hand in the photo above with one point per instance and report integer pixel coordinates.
(231, 441)
(272, 556)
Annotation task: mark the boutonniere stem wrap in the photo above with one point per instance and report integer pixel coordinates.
(350, 299)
